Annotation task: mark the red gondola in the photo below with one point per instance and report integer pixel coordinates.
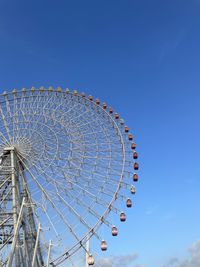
(111, 110)
(136, 166)
(129, 203)
(133, 146)
(104, 245)
(126, 129)
(135, 155)
(130, 137)
(135, 177)
(104, 106)
(116, 116)
(97, 101)
(114, 231)
(122, 217)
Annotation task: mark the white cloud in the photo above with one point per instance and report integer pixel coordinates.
(192, 261)
(118, 261)
(128, 260)
(107, 262)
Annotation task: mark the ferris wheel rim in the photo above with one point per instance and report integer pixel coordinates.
(93, 229)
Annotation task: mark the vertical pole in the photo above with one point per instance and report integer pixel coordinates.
(26, 248)
(14, 195)
(15, 238)
(36, 246)
(87, 252)
(49, 253)
(31, 222)
(26, 245)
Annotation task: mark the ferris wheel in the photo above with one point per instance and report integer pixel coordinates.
(66, 161)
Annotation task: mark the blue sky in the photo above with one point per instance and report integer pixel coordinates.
(143, 58)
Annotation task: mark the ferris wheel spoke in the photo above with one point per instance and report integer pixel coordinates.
(92, 196)
(87, 207)
(107, 181)
(52, 203)
(107, 177)
(48, 102)
(117, 172)
(76, 214)
(51, 223)
(128, 162)
(48, 179)
(8, 107)
(72, 262)
(4, 140)
(86, 123)
(111, 191)
(5, 124)
(102, 176)
(78, 116)
(17, 122)
(15, 119)
(55, 113)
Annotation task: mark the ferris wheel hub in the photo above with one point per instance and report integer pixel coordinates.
(9, 148)
(22, 148)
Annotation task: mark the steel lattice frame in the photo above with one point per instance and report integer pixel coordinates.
(69, 159)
